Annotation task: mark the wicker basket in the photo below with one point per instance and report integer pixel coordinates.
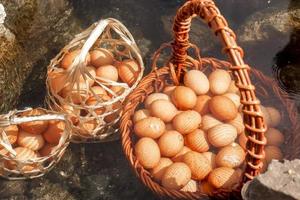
(15, 169)
(172, 73)
(89, 125)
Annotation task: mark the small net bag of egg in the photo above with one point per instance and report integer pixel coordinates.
(90, 78)
(191, 137)
(32, 142)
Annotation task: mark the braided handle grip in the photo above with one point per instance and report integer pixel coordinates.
(253, 118)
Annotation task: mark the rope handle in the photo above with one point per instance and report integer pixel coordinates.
(253, 117)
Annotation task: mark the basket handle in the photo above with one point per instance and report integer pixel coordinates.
(253, 118)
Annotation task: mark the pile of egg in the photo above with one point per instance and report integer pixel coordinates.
(104, 68)
(31, 140)
(191, 137)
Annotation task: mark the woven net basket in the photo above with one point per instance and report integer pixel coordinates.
(171, 74)
(31, 164)
(96, 121)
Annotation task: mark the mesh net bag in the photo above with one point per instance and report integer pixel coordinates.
(32, 142)
(90, 78)
(257, 124)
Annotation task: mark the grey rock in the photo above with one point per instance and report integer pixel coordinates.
(280, 182)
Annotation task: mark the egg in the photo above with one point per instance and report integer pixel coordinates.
(70, 57)
(47, 149)
(231, 156)
(128, 71)
(150, 127)
(54, 132)
(184, 98)
(176, 176)
(34, 127)
(243, 140)
(93, 101)
(191, 186)
(211, 157)
(11, 132)
(155, 96)
(197, 81)
(118, 90)
(22, 154)
(202, 104)
(158, 171)
(147, 152)
(31, 141)
(233, 88)
(76, 93)
(197, 141)
(57, 80)
(219, 81)
(108, 72)
(170, 143)
(186, 121)
(169, 89)
(88, 76)
(266, 116)
(87, 127)
(163, 109)
(208, 121)
(101, 57)
(115, 115)
(273, 152)
(206, 188)
(274, 137)
(236, 99)
(274, 115)
(72, 112)
(140, 114)
(98, 90)
(179, 156)
(224, 177)
(199, 165)
(221, 135)
(238, 123)
(222, 108)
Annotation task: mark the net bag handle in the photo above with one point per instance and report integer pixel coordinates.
(253, 117)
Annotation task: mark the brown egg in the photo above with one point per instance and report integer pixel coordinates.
(101, 57)
(128, 71)
(238, 123)
(274, 115)
(202, 104)
(170, 143)
(117, 89)
(187, 121)
(211, 157)
(140, 114)
(31, 141)
(158, 171)
(199, 165)
(155, 96)
(197, 81)
(219, 81)
(169, 89)
(70, 57)
(231, 156)
(163, 109)
(169, 127)
(221, 135)
(184, 98)
(92, 101)
(179, 156)
(224, 177)
(197, 141)
(98, 90)
(11, 133)
(266, 116)
(208, 121)
(206, 188)
(147, 152)
(76, 93)
(72, 112)
(23, 154)
(236, 99)
(47, 149)
(54, 132)
(90, 80)
(114, 117)
(87, 127)
(222, 108)
(108, 72)
(232, 88)
(57, 80)
(243, 140)
(150, 127)
(273, 152)
(34, 127)
(191, 186)
(274, 137)
(176, 176)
